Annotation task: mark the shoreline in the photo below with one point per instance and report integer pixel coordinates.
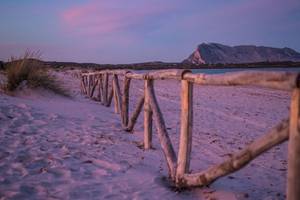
(163, 65)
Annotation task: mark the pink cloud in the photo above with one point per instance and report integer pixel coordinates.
(103, 17)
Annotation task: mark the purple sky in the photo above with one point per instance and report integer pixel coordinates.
(119, 31)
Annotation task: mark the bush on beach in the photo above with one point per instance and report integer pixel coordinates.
(30, 71)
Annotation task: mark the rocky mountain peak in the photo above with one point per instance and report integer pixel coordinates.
(213, 53)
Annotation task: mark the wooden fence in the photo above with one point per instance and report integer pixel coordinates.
(96, 86)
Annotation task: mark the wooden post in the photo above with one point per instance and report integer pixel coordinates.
(82, 84)
(117, 94)
(105, 89)
(147, 117)
(125, 101)
(92, 85)
(99, 87)
(88, 85)
(293, 176)
(163, 136)
(85, 85)
(185, 142)
(110, 96)
(135, 114)
(95, 83)
(102, 88)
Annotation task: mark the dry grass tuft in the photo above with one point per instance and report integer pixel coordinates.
(30, 71)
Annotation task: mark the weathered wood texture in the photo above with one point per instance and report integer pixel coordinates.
(135, 114)
(293, 176)
(117, 94)
(110, 97)
(125, 101)
(105, 89)
(163, 136)
(185, 141)
(275, 80)
(158, 75)
(179, 167)
(100, 88)
(276, 136)
(82, 84)
(147, 116)
(88, 85)
(95, 83)
(85, 84)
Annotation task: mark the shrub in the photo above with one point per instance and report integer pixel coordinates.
(31, 71)
(1, 65)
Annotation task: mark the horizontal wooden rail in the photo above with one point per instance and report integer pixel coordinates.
(274, 80)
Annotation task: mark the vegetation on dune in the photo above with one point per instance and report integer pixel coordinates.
(31, 71)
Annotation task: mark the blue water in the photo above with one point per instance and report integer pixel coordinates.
(220, 71)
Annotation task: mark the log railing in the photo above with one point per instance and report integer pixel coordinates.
(178, 165)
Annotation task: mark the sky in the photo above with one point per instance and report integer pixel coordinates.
(131, 31)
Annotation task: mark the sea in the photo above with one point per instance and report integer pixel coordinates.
(221, 71)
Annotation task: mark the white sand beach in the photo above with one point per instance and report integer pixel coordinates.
(53, 147)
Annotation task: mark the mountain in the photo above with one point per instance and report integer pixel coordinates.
(213, 53)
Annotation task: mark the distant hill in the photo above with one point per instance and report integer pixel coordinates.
(213, 53)
(189, 63)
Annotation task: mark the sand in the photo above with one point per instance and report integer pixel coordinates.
(52, 147)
